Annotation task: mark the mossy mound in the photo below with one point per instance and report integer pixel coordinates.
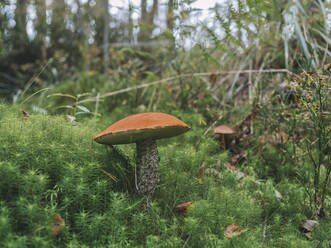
(49, 166)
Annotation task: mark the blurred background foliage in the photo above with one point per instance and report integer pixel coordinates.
(47, 43)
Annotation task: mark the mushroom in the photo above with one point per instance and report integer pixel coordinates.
(144, 129)
(225, 134)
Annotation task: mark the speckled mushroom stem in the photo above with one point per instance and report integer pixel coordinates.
(148, 167)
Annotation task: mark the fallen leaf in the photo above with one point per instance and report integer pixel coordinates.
(238, 157)
(233, 230)
(309, 225)
(234, 158)
(230, 167)
(25, 115)
(57, 224)
(183, 208)
(212, 79)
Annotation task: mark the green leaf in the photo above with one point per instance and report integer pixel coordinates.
(82, 108)
(80, 113)
(303, 43)
(64, 95)
(128, 50)
(83, 94)
(37, 92)
(65, 106)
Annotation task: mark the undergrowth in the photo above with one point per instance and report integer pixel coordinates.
(50, 165)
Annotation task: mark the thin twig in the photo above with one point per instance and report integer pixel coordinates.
(212, 125)
(201, 74)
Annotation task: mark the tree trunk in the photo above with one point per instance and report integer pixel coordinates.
(170, 16)
(147, 20)
(58, 25)
(153, 12)
(143, 6)
(106, 36)
(41, 28)
(20, 34)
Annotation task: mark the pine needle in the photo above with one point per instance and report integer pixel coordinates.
(110, 175)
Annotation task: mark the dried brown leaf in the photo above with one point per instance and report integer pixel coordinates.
(183, 208)
(233, 230)
(229, 166)
(234, 158)
(309, 225)
(25, 115)
(212, 78)
(238, 157)
(57, 224)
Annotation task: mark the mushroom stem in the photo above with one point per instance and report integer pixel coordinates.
(147, 166)
(222, 142)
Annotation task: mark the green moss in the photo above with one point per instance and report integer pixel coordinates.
(50, 166)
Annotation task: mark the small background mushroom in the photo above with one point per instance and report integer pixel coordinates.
(225, 136)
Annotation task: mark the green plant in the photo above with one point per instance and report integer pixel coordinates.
(76, 107)
(313, 98)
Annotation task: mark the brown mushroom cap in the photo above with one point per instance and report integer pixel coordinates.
(223, 130)
(142, 127)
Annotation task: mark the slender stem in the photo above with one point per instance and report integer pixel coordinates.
(264, 232)
(316, 171)
(223, 144)
(325, 186)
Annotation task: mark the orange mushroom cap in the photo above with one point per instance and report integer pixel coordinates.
(143, 126)
(223, 130)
